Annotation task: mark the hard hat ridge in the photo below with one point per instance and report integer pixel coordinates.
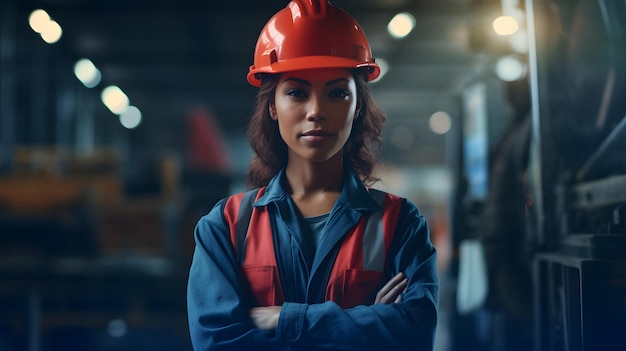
(310, 8)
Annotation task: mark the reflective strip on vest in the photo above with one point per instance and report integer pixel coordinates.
(357, 272)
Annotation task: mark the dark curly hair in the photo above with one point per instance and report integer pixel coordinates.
(361, 152)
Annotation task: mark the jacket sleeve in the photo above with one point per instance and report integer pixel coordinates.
(408, 325)
(218, 318)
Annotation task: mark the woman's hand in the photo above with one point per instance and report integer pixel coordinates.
(265, 318)
(392, 291)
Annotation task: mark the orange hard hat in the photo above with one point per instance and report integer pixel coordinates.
(311, 34)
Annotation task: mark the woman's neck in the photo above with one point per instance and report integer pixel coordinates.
(315, 187)
(308, 177)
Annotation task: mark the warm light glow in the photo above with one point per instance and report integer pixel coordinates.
(87, 73)
(401, 25)
(131, 117)
(38, 19)
(51, 32)
(510, 69)
(440, 122)
(114, 99)
(505, 25)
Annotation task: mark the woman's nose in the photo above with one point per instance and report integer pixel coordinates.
(315, 109)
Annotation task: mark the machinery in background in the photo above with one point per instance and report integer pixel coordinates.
(546, 196)
(90, 259)
(577, 173)
(50, 201)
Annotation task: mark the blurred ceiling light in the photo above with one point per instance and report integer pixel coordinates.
(384, 68)
(131, 117)
(38, 20)
(41, 23)
(401, 25)
(114, 99)
(519, 41)
(440, 122)
(51, 32)
(505, 25)
(510, 69)
(87, 73)
(117, 328)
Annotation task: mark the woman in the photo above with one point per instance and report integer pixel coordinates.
(312, 258)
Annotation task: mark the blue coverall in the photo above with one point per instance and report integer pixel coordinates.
(218, 315)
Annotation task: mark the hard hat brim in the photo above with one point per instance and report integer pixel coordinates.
(311, 62)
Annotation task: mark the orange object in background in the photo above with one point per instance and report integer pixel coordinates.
(47, 179)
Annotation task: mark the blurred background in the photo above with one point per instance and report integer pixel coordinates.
(123, 122)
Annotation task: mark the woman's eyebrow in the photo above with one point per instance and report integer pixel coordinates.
(335, 81)
(298, 80)
(306, 82)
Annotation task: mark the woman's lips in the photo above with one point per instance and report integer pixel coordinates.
(315, 135)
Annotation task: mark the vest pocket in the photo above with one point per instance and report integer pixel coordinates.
(264, 285)
(360, 287)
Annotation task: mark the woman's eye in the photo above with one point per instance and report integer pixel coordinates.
(298, 93)
(339, 93)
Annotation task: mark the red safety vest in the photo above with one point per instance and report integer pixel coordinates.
(358, 268)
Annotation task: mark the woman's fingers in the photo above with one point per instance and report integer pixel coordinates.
(392, 290)
(265, 318)
(390, 284)
(399, 298)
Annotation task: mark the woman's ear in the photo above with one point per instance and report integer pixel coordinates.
(272, 109)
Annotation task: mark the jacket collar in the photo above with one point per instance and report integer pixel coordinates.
(354, 194)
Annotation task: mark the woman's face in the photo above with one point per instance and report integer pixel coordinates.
(315, 109)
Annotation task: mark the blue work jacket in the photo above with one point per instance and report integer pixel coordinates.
(218, 315)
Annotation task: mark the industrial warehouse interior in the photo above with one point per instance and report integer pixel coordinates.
(124, 122)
